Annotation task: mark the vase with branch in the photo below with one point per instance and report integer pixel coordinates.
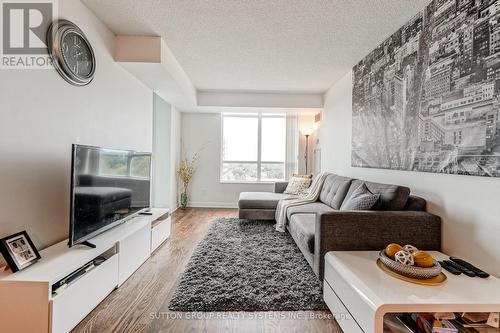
(186, 170)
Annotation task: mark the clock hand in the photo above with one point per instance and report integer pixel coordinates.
(77, 43)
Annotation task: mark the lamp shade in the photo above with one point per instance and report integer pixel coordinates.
(307, 126)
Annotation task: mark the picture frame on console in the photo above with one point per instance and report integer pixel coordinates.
(19, 251)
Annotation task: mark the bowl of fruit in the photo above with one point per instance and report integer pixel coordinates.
(409, 261)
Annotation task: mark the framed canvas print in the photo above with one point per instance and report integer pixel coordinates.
(19, 251)
(427, 98)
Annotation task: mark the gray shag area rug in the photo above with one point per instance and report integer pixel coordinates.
(245, 265)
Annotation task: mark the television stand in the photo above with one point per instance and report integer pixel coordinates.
(89, 244)
(62, 288)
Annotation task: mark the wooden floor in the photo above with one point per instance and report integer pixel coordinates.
(141, 303)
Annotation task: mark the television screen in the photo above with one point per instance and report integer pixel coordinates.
(107, 187)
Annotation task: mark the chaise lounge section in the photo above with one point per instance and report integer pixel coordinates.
(321, 226)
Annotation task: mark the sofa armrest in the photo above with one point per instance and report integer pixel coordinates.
(280, 187)
(373, 231)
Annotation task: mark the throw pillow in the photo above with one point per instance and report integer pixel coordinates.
(298, 184)
(360, 199)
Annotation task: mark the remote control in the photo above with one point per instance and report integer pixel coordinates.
(450, 268)
(469, 266)
(461, 268)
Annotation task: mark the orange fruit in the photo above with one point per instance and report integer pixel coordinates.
(391, 249)
(422, 259)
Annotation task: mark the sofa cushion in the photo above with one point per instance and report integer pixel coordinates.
(298, 184)
(392, 197)
(334, 190)
(302, 226)
(360, 199)
(262, 200)
(310, 208)
(415, 203)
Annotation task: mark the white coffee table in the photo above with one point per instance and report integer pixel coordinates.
(359, 293)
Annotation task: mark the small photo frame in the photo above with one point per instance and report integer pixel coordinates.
(19, 251)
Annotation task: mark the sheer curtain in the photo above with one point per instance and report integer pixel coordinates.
(292, 144)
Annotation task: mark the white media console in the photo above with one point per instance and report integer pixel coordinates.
(28, 302)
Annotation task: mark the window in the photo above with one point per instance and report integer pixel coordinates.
(119, 164)
(113, 164)
(139, 166)
(253, 147)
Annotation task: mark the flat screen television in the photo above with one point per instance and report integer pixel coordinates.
(108, 187)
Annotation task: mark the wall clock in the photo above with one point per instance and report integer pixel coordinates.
(71, 52)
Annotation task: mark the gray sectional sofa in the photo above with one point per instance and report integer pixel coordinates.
(321, 226)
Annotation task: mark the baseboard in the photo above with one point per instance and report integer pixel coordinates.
(213, 204)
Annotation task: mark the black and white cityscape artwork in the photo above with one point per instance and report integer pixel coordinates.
(428, 98)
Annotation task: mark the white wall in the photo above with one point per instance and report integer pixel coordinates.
(166, 153)
(469, 206)
(175, 156)
(41, 116)
(162, 124)
(204, 130)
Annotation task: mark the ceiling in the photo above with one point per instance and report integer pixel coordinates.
(261, 45)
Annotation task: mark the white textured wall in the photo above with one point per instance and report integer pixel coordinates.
(469, 206)
(204, 130)
(41, 116)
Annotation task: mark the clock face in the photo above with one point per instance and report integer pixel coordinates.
(76, 54)
(71, 53)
